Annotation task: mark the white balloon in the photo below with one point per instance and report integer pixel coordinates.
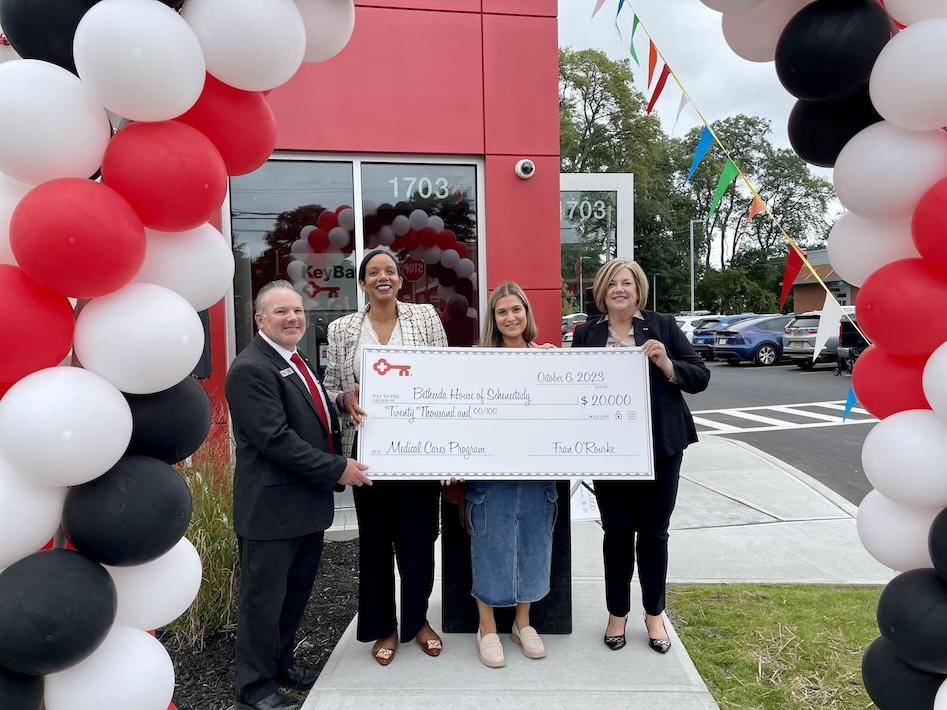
(908, 12)
(471, 312)
(64, 426)
(329, 25)
(450, 259)
(142, 338)
(753, 33)
(29, 515)
(385, 236)
(903, 457)
(158, 592)
(369, 208)
(884, 170)
(296, 270)
(253, 45)
(339, 237)
(306, 231)
(50, 125)
(858, 246)
(436, 222)
(347, 219)
(895, 534)
(432, 255)
(300, 247)
(139, 59)
(464, 268)
(130, 669)
(11, 192)
(908, 83)
(400, 225)
(731, 5)
(940, 700)
(418, 220)
(197, 264)
(934, 381)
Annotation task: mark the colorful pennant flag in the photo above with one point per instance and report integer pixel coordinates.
(726, 177)
(850, 402)
(684, 101)
(652, 59)
(659, 87)
(598, 6)
(757, 207)
(828, 323)
(703, 145)
(790, 272)
(631, 48)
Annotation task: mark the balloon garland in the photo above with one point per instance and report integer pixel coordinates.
(871, 105)
(89, 448)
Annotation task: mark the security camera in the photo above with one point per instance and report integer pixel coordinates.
(525, 169)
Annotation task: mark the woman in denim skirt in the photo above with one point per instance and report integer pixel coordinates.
(500, 513)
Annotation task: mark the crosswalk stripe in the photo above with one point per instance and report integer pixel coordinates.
(705, 418)
(721, 428)
(753, 417)
(785, 409)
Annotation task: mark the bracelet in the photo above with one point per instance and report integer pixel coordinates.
(341, 401)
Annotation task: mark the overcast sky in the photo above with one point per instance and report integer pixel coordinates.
(688, 33)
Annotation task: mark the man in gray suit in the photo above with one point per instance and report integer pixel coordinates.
(288, 463)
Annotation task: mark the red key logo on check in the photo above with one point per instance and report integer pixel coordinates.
(383, 367)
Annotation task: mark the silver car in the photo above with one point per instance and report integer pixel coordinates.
(799, 340)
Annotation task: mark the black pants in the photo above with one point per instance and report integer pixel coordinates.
(396, 519)
(276, 578)
(635, 517)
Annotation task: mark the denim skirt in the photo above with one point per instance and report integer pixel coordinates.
(510, 527)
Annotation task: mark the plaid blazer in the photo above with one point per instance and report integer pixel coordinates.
(420, 326)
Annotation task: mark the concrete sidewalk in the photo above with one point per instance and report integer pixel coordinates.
(741, 516)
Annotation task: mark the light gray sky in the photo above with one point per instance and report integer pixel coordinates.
(688, 33)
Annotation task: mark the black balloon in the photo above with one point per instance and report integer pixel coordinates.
(133, 513)
(464, 287)
(447, 277)
(818, 130)
(176, 4)
(403, 208)
(44, 29)
(20, 692)
(894, 685)
(56, 607)
(912, 615)
(826, 52)
(386, 213)
(170, 425)
(937, 543)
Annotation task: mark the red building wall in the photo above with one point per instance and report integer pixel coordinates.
(449, 77)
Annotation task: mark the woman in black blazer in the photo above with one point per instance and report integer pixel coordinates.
(634, 511)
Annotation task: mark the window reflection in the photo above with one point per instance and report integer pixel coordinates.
(588, 239)
(427, 214)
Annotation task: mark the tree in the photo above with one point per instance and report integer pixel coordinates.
(733, 291)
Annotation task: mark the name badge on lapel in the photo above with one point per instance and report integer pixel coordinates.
(287, 372)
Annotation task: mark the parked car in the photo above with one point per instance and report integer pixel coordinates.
(689, 323)
(569, 323)
(851, 344)
(757, 340)
(799, 340)
(703, 337)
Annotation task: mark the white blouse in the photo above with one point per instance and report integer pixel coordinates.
(368, 336)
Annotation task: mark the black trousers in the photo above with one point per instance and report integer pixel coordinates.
(396, 519)
(635, 517)
(276, 578)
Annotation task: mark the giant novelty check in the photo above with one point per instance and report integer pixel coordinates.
(505, 414)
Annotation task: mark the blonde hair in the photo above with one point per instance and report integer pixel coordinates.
(491, 337)
(609, 271)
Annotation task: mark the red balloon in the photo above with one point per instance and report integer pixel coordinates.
(318, 240)
(411, 240)
(240, 124)
(446, 239)
(327, 220)
(886, 384)
(428, 236)
(37, 325)
(170, 173)
(461, 250)
(929, 225)
(901, 307)
(77, 238)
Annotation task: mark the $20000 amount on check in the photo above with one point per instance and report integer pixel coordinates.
(505, 414)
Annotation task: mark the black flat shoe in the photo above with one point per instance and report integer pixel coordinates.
(617, 642)
(273, 701)
(296, 677)
(662, 646)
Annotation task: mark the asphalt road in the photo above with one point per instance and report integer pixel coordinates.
(828, 453)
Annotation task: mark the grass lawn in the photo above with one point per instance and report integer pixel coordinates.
(778, 647)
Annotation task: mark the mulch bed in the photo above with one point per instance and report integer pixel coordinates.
(205, 678)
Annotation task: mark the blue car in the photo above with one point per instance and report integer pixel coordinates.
(758, 340)
(705, 334)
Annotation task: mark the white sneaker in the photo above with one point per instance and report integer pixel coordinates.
(527, 639)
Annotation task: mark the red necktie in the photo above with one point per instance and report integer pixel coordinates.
(316, 396)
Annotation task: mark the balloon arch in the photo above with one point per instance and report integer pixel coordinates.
(159, 101)
(872, 103)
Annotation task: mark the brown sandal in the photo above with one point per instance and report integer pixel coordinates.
(383, 655)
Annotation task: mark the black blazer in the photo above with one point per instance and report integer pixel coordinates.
(284, 474)
(673, 426)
